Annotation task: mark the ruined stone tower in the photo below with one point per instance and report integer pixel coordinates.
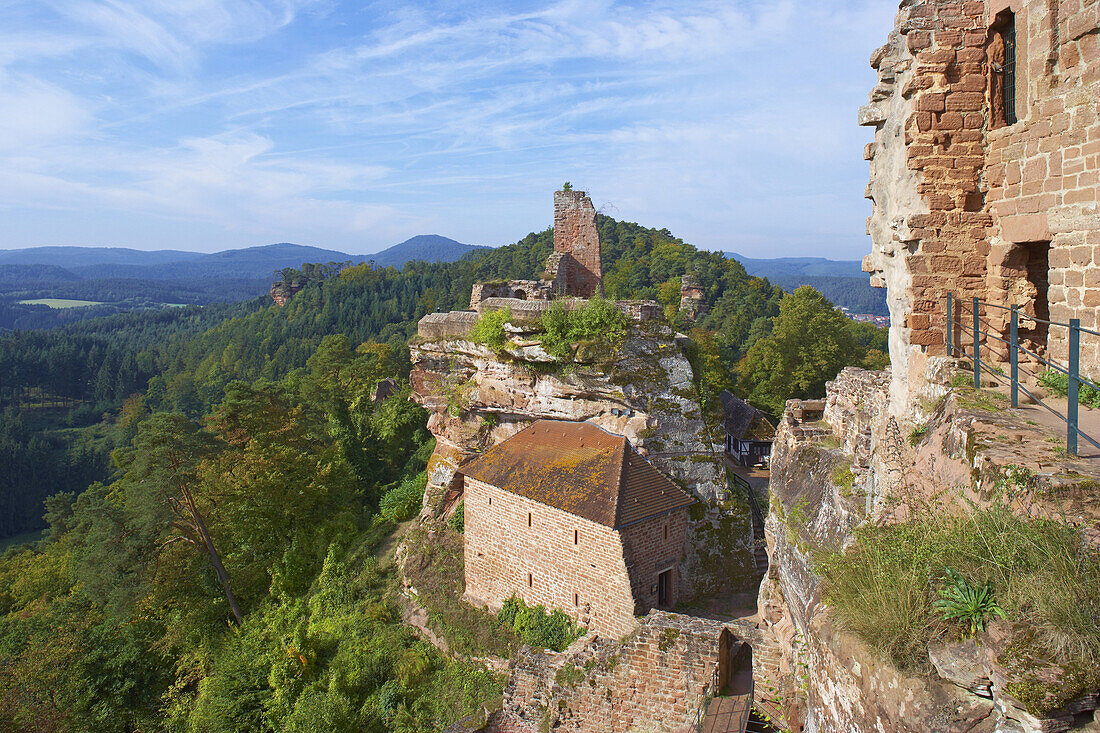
(984, 175)
(576, 259)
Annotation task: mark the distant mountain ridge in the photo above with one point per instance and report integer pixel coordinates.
(841, 281)
(426, 247)
(71, 257)
(245, 263)
(35, 274)
(795, 266)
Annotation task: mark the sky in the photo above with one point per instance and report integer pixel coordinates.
(212, 124)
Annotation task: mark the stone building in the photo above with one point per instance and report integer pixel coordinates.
(570, 516)
(984, 174)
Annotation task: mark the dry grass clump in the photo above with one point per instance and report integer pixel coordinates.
(885, 586)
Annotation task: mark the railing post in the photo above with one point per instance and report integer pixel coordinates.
(950, 325)
(1071, 388)
(977, 347)
(1014, 356)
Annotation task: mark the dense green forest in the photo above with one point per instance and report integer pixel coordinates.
(216, 489)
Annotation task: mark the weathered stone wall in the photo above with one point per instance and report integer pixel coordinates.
(518, 546)
(575, 234)
(1043, 173)
(518, 289)
(958, 197)
(455, 324)
(651, 547)
(655, 681)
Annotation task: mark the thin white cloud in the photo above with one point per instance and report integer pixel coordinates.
(699, 116)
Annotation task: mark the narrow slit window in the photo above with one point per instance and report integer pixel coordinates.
(490, 501)
(576, 599)
(1003, 71)
(530, 580)
(666, 531)
(576, 537)
(1008, 33)
(529, 520)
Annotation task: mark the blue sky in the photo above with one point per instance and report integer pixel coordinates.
(208, 124)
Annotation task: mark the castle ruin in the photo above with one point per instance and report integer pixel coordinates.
(573, 270)
(984, 176)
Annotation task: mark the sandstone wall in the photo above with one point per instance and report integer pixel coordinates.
(575, 234)
(952, 211)
(651, 547)
(1043, 173)
(656, 681)
(517, 546)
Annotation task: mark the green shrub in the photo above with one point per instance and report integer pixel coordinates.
(553, 630)
(457, 522)
(598, 321)
(404, 500)
(917, 434)
(489, 329)
(972, 605)
(1058, 383)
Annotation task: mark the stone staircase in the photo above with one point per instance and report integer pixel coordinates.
(760, 546)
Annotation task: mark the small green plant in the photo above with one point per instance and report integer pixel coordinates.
(1018, 479)
(567, 186)
(843, 477)
(668, 639)
(962, 380)
(1058, 383)
(457, 522)
(598, 322)
(569, 675)
(917, 434)
(537, 627)
(971, 605)
(489, 329)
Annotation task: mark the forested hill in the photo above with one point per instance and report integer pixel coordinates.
(218, 487)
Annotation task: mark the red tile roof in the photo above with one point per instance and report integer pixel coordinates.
(581, 469)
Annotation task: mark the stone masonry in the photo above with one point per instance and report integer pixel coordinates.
(967, 201)
(576, 236)
(573, 269)
(589, 578)
(656, 680)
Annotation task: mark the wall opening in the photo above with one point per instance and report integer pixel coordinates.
(530, 580)
(576, 537)
(1038, 275)
(664, 589)
(529, 519)
(520, 295)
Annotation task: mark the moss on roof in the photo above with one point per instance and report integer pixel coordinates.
(581, 469)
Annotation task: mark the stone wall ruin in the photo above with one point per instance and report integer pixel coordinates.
(969, 203)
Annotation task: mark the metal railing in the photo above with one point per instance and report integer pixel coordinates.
(1072, 369)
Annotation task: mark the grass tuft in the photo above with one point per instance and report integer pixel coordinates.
(885, 587)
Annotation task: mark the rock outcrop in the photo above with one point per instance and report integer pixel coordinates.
(645, 392)
(829, 476)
